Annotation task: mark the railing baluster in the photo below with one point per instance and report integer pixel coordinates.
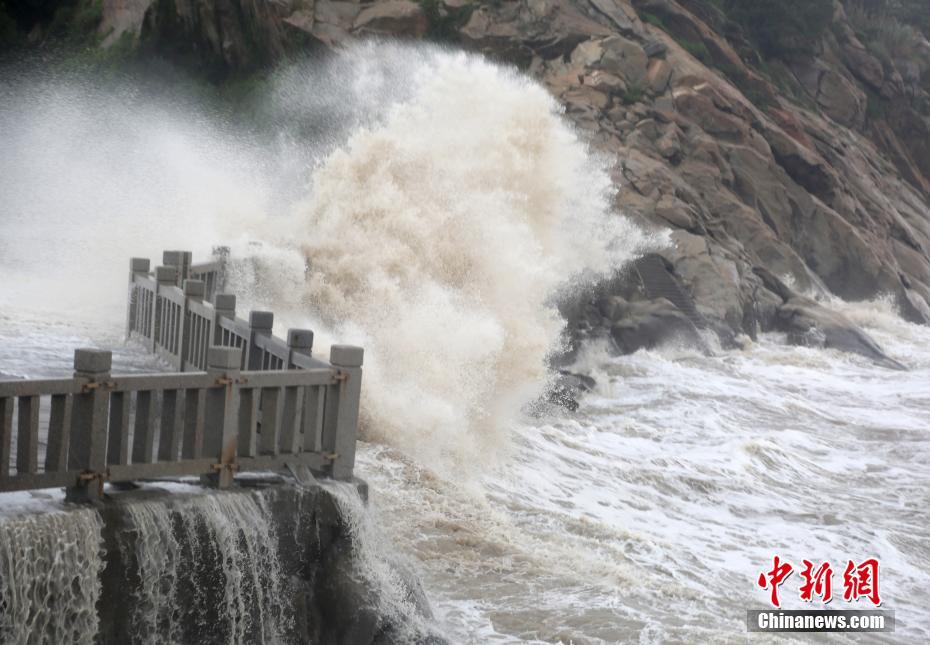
(271, 420)
(248, 421)
(206, 342)
(201, 327)
(118, 439)
(59, 431)
(194, 342)
(224, 306)
(194, 407)
(165, 278)
(312, 421)
(193, 292)
(140, 266)
(143, 435)
(6, 434)
(174, 330)
(169, 440)
(27, 439)
(142, 324)
(198, 342)
(290, 418)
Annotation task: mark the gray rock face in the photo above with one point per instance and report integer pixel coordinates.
(647, 324)
(809, 323)
(395, 17)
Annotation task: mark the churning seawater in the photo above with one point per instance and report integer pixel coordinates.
(648, 515)
(432, 207)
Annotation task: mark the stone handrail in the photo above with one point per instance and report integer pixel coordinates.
(241, 399)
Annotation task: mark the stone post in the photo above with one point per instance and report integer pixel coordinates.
(221, 253)
(299, 341)
(260, 323)
(225, 305)
(194, 289)
(88, 438)
(340, 420)
(221, 423)
(180, 260)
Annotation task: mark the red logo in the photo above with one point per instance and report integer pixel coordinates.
(778, 574)
(817, 581)
(861, 582)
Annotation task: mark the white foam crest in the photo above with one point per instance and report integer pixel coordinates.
(50, 565)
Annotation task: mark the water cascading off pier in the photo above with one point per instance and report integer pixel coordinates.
(173, 563)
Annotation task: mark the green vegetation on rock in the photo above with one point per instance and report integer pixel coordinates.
(892, 30)
(782, 28)
(633, 94)
(912, 13)
(697, 49)
(654, 20)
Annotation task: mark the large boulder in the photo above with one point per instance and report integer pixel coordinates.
(648, 324)
(395, 17)
(625, 59)
(807, 322)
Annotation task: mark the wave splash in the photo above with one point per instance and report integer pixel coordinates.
(426, 204)
(438, 237)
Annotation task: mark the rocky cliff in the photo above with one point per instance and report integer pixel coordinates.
(808, 157)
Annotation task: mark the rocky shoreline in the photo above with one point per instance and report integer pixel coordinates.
(811, 166)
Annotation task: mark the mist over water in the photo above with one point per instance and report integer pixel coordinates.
(431, 207)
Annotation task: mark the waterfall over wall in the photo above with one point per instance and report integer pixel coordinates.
(49, 577)
(207, 560)
(272, 563)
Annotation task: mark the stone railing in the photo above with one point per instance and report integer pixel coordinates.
(241, 399)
